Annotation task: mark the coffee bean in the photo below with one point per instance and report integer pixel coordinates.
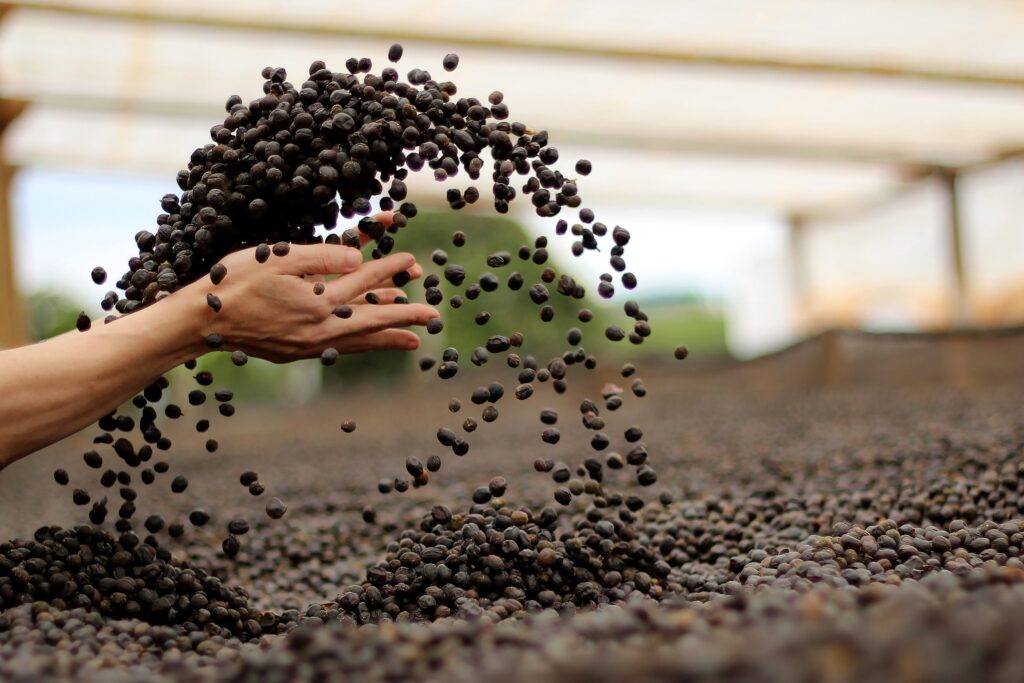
(455, 274)
(499, 259)
(645, 476)
(450, 61)
(413, 466)
(230, 546)
(93, 459)
(217, 273)
(276, 509)
(538, 293)
(199, 517)
(238, 527)
(498, 344)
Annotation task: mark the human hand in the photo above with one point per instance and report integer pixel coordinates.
(269, 310)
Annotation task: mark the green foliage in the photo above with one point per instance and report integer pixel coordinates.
(684, 319)
(257, 381)
(51, 314)
(510, 311)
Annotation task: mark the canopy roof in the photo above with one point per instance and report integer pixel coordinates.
(835, 105)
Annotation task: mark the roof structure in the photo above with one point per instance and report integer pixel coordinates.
(809, 110)
(835, 103)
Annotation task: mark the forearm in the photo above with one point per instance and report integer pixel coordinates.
(57, 387)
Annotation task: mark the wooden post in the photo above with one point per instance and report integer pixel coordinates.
(959, 305)
(12, 319)
(799, 277)
(956, 354)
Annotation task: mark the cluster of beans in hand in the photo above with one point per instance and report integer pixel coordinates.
(304, 156)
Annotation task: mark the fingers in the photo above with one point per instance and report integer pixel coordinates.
(415, 273)
(367, 276)
(319, 259)
(369, 319)
(385, 296)
(400, 340)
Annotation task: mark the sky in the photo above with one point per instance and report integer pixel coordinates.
(66, 223)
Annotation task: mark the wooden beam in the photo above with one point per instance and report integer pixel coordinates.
(674, 144)
(527, 42)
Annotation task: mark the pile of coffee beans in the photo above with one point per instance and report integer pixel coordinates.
(123, 577)
(882, 543)
(504, 562)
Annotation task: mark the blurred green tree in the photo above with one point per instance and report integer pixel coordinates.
(510, 311)
(50, 314)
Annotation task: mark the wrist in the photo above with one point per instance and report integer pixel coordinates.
(182, 321)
